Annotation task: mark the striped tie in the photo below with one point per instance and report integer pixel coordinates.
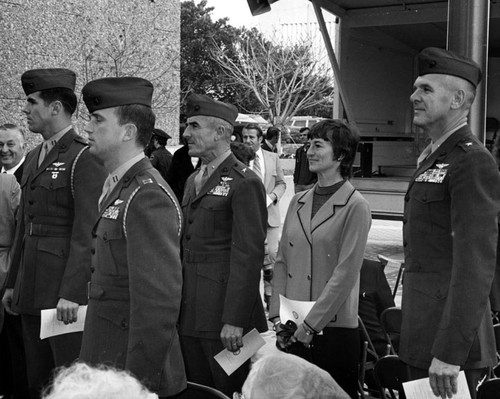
(256, 166)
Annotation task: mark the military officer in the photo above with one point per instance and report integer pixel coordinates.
(161, 158)
(60, 186)
(450, 231)
(135, 290)
(225, 215)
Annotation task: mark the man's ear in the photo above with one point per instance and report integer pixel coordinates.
(130, 132)
(458, 99)
(56, 107)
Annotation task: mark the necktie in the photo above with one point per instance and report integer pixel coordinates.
(105, 191)
(425, 153)
(200, 178)
(43, 152)
(256, 166)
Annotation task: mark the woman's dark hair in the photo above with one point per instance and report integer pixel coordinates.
(343, 140)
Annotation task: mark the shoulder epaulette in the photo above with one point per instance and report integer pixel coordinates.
(144, 180)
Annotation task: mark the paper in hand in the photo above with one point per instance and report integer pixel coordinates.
(231, 361)
(50, 326)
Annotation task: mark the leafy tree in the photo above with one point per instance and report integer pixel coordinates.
(200, 73)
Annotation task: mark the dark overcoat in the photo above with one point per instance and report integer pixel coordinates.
(450, 240)
(135, 291)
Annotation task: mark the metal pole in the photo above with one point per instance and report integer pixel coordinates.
(333, 62)
(468, 29)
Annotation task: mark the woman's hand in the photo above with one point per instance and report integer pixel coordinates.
(302, 336)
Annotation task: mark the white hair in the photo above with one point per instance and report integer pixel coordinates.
(80, 381)
(286, 376)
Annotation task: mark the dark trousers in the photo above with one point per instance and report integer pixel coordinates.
(42, 356)
(337, 351)
(13, 379)
(473, 376)
(202, 368)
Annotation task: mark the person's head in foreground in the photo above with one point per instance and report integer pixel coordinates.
(80, 381)
(286, 376)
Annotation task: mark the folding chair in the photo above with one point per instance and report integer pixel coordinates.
(391, 319)
(390, 373)
(198, 391)
(494, 372)
(489, 389)
(399, 278)
(368, 349)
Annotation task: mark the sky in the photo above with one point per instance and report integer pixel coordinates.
(289, 11)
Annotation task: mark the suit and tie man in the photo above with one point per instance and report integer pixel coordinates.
(12, 363)
(449, 232)
(225, 216)
(12, 148)
(270, 142)
(60, 186)
(267, 166)
(135, 290)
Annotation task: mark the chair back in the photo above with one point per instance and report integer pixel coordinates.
(369, 357)
(489, 389)
(391, 320)
(390, 373)
(198, 391)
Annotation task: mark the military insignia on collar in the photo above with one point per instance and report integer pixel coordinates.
(468, 144)
(57, 164)
(111, 212)
(146, 181)
(244, 170)
(442, 165)
(222, 189)
(118, 202)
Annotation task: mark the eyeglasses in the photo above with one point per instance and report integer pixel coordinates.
(237, 395)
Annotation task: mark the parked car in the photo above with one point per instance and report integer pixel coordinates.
(291, 131)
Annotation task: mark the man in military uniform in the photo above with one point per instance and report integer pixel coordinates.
(135, 291)
(60, 186)
(161, 158)
(449, 232)
(225, 214)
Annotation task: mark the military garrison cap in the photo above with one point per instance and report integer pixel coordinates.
(51, 78)
(113, 92)
(161, 133)
(444, 62)
(199, 104)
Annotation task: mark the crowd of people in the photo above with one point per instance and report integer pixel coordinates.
(168, 251)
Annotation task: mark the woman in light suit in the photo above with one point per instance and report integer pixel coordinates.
(320, 256)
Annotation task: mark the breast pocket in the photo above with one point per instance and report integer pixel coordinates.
(430, 208)
(214, 217)
(55, 187)
(110, 247)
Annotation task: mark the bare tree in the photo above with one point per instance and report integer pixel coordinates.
(285, 79)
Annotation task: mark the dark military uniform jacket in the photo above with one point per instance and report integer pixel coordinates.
(161, 160)
(135, 291)
(223, 251)
(450, 240)
(51, 254)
